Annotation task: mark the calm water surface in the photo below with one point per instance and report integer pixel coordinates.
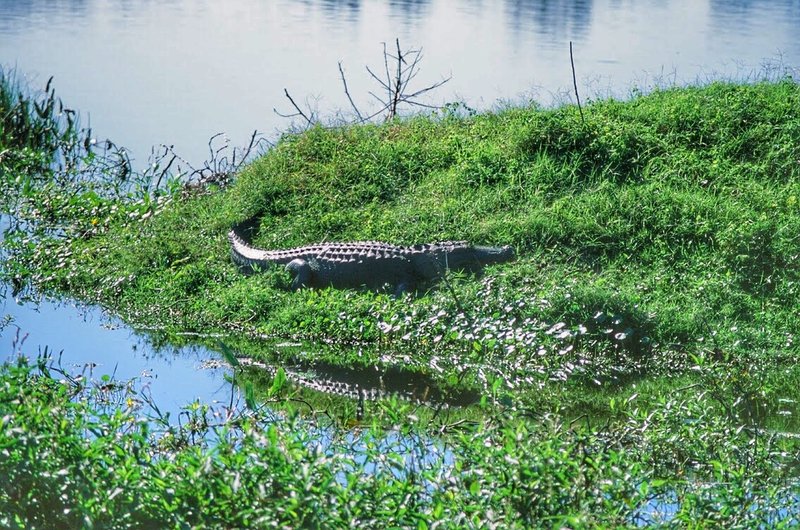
(79, 335)
(178, 71)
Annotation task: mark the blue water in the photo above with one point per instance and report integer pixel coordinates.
(80, 335)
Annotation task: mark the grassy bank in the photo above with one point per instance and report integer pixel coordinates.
(662, 227)
(639, 356)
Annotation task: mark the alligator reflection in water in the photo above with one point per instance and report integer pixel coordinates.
(369, 383)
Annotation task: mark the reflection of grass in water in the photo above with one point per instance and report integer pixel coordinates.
(78, 450)
(371, 383)
(355, 397)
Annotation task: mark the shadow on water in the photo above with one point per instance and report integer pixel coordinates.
(260, 359)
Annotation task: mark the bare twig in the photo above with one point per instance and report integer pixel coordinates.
(388, 83)
(347, 93)
(575, 83)
(399, 70)
(166, 169)
(245, 153)
(297, 108)
(217, 169)
(379, 80)
(399, 83)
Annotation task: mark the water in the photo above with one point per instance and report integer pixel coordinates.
(179, 71)
(81, 336)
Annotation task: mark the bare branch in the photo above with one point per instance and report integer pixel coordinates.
(428, 88)
(347, 93)
(411, 71)
(388, 75)
(166, 169)
(575, 82)
(376, 113)
(214, 155)
(376, 96)
(378, 79)
(296, 107)
(401, 68)
(218, 169)
(245, 152)
(399, 83)
(423, 105)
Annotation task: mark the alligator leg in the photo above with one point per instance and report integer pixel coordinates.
(402, 288)
(301, 270)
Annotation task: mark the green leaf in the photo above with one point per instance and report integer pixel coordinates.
(474, 487)
(250, 396)
(272, 435)
(228, 355)
(279, 381)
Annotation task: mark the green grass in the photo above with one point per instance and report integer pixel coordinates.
(83, 453)
(661, 227)
(639, 355)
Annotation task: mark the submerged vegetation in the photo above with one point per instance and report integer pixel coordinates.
(638, 361)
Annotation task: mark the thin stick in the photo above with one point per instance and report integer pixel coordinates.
(347, 93)
(388, 83)
(575, 83)
(398, 87)
(296, 107)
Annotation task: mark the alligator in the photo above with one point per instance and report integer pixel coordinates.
(365, 264)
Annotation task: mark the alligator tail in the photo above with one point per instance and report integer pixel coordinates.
(245, 256)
